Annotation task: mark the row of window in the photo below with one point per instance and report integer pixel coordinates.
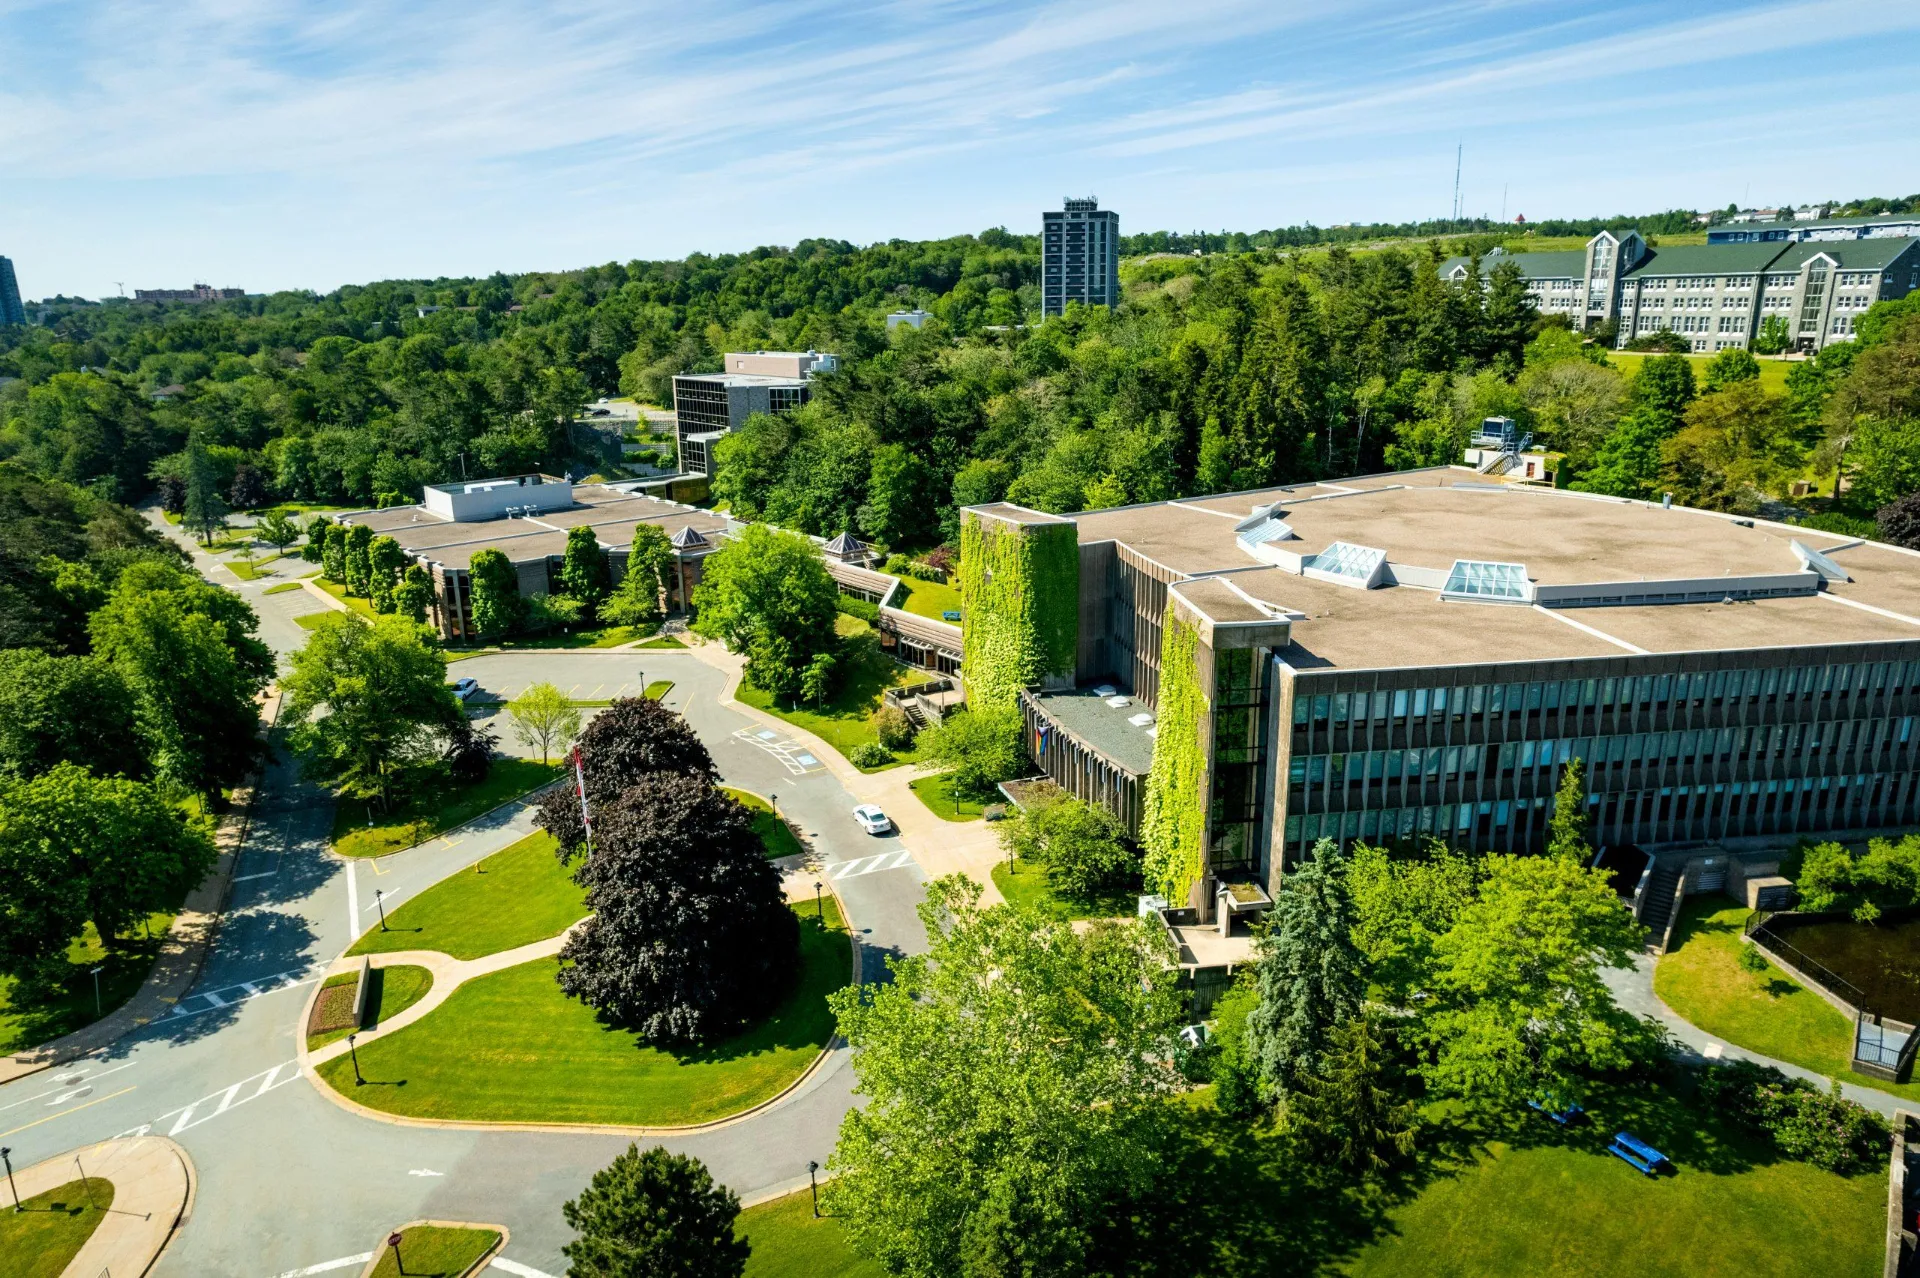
(1660, 692)
(1729, 800)
(1627, 750)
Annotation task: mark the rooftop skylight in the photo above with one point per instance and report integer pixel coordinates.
(1265, 530)
(1356, 565)
(1813, 561)
(1483, 579)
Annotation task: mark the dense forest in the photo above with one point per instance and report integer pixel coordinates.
(1228, 369)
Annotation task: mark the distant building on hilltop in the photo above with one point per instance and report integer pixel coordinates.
(912, 319)
(708, 405)
(11, 312)
(198, 293)
(1079, 256)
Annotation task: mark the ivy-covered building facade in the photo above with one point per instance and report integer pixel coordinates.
(1418, 655)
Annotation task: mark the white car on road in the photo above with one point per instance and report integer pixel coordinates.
(872, 819)
(465, 688)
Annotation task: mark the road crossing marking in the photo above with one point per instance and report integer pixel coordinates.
(328, 1266)
(794, 756)
(228, 996)
(872, 864)
(190, 1116)
(353, 902)
(517, 1269)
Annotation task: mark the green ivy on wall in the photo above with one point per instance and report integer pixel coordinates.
(1020, 600)
(1173, 826)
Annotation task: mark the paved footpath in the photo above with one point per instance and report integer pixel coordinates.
(152, 1181)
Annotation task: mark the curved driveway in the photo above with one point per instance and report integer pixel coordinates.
(289, 1180)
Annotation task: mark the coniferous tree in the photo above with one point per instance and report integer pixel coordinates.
(1567, 827)
(1350, 1107)
(1309, 974)
(654, 1215)
(359, 538)
(203, 510)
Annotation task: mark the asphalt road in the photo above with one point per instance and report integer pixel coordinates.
(287, 1179)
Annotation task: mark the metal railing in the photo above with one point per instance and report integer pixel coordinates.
(1758, 931)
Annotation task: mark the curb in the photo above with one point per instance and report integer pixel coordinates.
(475, 819)
(500, 1232)
(595, 1129)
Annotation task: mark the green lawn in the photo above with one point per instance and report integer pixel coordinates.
(776, 835)
(260, 567)
(311, 620)
(39, 1241)
(34, 1014)
(1700, 978)
(789, 1243)
(1553, 1202)
(434, 1251)
(437, 807)
(927, 598)
(510, 1047)
(591, 637)
(661, 641)
(392, 990)
(1773, 372)
(282, 588)
(339, 592)
(1025, 883)
(519, 895)
(936, 792)
(844, 722)
(658, 689)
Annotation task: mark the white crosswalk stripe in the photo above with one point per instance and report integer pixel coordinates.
(213, 1000)
(872, 864)
(517, 1269)
(794, 756)
(210, 1107)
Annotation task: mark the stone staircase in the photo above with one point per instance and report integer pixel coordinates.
(1657, 902)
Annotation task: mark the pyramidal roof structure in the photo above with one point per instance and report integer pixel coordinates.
(688, 538)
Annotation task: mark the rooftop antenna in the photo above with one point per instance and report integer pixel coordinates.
(122, 286)
(1503, 201)
(1454, 220)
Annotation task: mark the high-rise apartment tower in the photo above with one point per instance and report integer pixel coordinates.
(11, 312)
(1080, 256)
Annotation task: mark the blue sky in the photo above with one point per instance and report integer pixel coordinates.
(281, 145)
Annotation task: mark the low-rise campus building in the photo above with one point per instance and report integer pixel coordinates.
(527, 518)
(1415, 655)
(1717, 296)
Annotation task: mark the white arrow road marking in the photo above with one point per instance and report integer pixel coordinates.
(422, 1171)
(65, 1081)
(328, 1266)
(517, 1269)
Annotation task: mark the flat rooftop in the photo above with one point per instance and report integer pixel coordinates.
(1106, 728)
(612, 513)
(1587, 546)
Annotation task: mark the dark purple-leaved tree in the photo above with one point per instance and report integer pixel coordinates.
(632, 738)
(691, 937)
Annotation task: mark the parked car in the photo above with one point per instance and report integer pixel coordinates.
(465, 688)
(871, 819)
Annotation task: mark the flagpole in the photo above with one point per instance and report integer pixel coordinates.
(580, 788)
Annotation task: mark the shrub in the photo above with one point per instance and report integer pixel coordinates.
(1845, 525)
(870, 754)
(895, 729)
(867, 612)
(981, 746)
(901, 566)
(1899, 522)
(1824, 1129)
(1752, 960)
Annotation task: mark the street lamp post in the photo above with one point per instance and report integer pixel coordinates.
(377, 894)
(818, 910)
(6, 1156)
(355, 1053)
(814, 1185)
(97, 1013)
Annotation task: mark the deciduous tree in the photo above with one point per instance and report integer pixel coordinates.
(767, 595)
(980, 747)
(544, 719)
(495, 590)
(66, 710)
(583, 574)
(384, 562)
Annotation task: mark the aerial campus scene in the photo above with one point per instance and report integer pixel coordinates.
(839, 743)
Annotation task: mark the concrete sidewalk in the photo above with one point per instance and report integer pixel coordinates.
(940, 847)
(182, 952)
(152, 1181)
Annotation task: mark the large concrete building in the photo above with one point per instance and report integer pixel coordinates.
(1416, 655)
(1079, 256)
(198, 293)
(1717, 296)
(11, 311)
(527, 518)
(708, 405)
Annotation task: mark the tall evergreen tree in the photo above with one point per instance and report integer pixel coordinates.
(205, 511)
(1350, 1107)
(654, 1215)
(1309, 974)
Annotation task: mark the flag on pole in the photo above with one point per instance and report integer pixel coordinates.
(580, 788)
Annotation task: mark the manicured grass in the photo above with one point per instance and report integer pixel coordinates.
(282, 588)
(519, 895)
(251, 571)
(311, 620)
(936, 792)
(34, 1014)
(434, 1251)
(775, 834)
(339, 592)
(658, 689)
(40, 1241)
(510, 1047)
(593, 637)
(789, 1243)
(392, 990)
(435, 808)
(1773, 372)
(927, 598)
(1025, 883)
(661, 641)
(1553, 1202)
(844, 721)
(1700, 978)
